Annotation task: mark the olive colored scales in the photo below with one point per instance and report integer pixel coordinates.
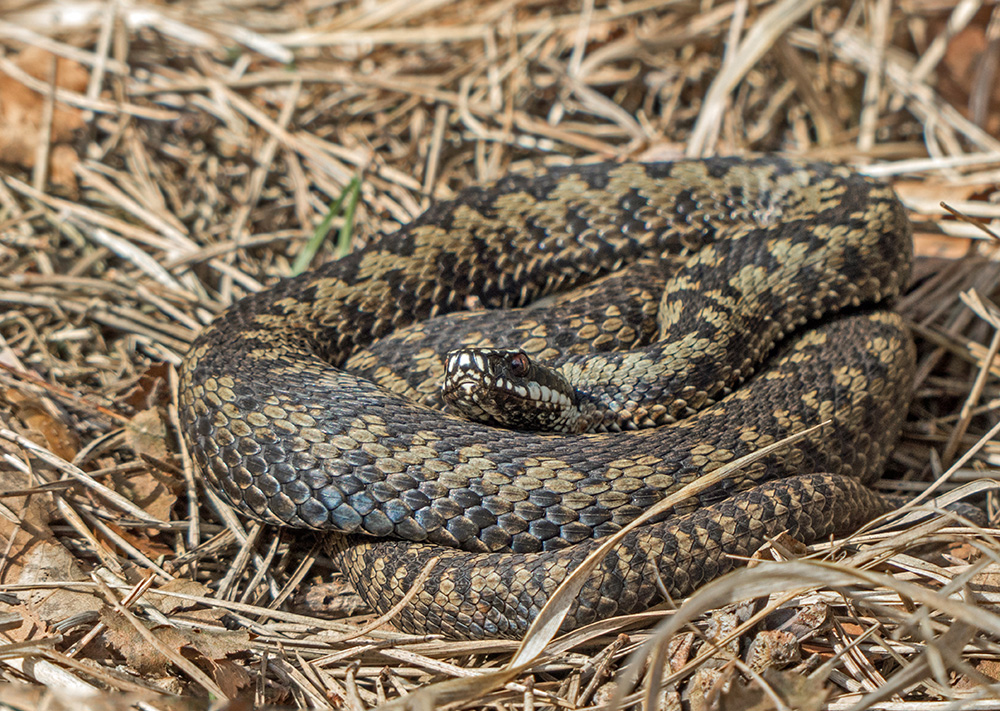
(788, 270)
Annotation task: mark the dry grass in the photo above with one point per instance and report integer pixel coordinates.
(211, 139)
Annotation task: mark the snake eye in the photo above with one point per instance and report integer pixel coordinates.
(520, 364)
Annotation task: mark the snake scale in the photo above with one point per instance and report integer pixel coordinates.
(774, 301)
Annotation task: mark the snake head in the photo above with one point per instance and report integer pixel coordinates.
(506, 388)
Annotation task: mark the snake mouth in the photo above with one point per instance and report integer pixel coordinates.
(461, 390)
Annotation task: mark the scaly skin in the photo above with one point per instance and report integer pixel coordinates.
(773, 248)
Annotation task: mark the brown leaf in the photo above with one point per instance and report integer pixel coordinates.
(34, 556)
(990, 668)
(21, 111)
(940, 246)
(143, 539)
(807, 620)
(142, 656)
(49, 562)
(707, 687)
(212, 647)
(146, 434)
(797, 691)
(168, 604)
(852, 629)
(987, 581)
(151, 390)
(679, 650)
(230, 677)
(933, 192)
(773, 648)
(153, 490)
(961, 552)
(217, 645)
(966, 58)
(43, 425)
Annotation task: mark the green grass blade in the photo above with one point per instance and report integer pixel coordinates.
(351, 192)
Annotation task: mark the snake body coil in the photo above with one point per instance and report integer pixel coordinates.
(776, 322)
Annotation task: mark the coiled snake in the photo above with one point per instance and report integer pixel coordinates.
(778, 314)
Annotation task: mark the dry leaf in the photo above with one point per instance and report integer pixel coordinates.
(153, 490)
(152, 388)
(168, 604)
(852, 629)
(212, 647)
(961, 552)
(21, 112)
(940, 246)
(230, 677)
(933, 192)
(988, 581)
(965, 59)
(708, 686)
(34, 556)
(35, 697)
(990, 668)
(46, 563)
(217, 646)
(773, 648)
(146, 434)
(141, 655)
(43, 426)
(795, 690)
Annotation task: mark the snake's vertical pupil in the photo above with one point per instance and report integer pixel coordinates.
(520, 364)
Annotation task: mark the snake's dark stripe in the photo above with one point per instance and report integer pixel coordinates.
(290, 438)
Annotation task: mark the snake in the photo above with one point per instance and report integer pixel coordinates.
(699, 309)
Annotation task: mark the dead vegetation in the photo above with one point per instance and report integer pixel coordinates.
(180, 155)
